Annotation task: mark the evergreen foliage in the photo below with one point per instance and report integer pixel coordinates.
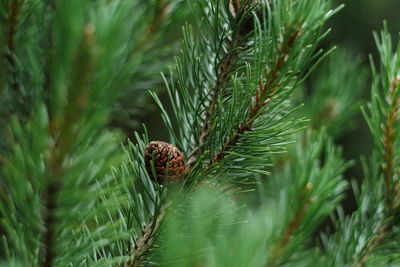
(72, 195)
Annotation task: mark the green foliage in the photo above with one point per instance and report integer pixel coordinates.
(231, 86)
(306, 190)
(70, 195)
(369, 233)
(207, 228)
(54, 159)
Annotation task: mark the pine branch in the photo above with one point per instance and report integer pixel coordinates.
(63, 133)
(226, 66)
(59, 166)
(371, 245)
(385, 111)
(264, 95)
(280, 53)
(50, 220)
(234, 46)
(236, 6)
(157, 20)
(159, 16)
(390, 119)
(259, 89)
(144, 243)
(389, 136)
(388, 170)
(14, 12)
(49, 44)
(310, 190)
(195, 237)
(377, 216)
(293, 226)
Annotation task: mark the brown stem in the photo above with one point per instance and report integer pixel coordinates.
(155, 24)
(64, 133)
(14, 10)
(225, 68)
(146, 240)
(263, 96)
(361, 261)
(235, 7)
(50, 200)
(388, 144)
(293, 225)
(388, 169)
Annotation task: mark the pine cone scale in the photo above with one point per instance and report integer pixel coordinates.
(165, 159)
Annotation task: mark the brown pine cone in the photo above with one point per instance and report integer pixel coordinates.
(167, 160)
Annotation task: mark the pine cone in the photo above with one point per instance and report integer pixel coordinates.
(167, 161)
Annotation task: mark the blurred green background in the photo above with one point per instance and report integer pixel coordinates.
(353, 26)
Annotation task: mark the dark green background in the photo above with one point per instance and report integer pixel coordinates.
(353, 26)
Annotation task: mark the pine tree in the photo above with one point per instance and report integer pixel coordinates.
(250, 173)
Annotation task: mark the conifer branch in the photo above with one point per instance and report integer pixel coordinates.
(264, 95)
(14, 12)
(236, 6)
(49, 44)
(233, 47)
(146, 240)
(372, 244)
(380, 186)
(159, 16)
(50, 202)
(388, 169)
(293, 226)
(226, 65)
(269, 86)
(64, 133)
(389, 133)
